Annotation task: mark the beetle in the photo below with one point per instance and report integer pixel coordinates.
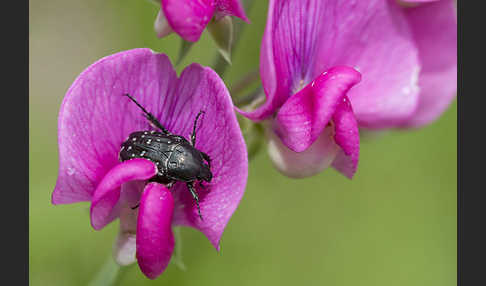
(176, 158)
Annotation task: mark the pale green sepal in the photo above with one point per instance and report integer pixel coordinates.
(222, 33)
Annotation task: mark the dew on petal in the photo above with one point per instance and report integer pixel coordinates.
(71, 171)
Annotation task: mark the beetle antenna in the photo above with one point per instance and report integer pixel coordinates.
(193, 136)
(138, 104)
(149, 115)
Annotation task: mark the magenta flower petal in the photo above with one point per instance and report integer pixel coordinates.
(95, 117)
(347, 137)
(304, 115)
(231, 7)
(188, 18)
(155, 241)
(107, 193)
(287, 52)
(435, 31)
(378, 42)
(303, 38)
(218, 132)
(268, 75)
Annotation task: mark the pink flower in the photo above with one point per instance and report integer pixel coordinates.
(188, 18)
(94, 120)
(312, 55)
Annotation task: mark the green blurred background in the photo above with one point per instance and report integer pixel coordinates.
(393, 224)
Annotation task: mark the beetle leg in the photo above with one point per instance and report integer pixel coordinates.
(193, 136)
(135, 206)
(195, 196)
(150, 116)
(207, 158)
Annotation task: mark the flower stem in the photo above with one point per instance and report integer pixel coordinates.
(244, 82)
(109, 274)
(220, 64)
(177, 255)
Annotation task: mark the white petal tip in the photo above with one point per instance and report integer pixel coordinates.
(312, 161)
(125, 249)
(161, 26)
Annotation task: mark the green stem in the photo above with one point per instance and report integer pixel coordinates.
(248, 98)
(109, 274)
(244, 82)
(220, 64)
(177, 255)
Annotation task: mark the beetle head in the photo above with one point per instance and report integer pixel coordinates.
(205, 174)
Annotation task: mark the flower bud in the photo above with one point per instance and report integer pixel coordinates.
(221, 30)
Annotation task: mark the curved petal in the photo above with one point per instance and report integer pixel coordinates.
(95, 117)
(231, 7)
(188, 18)
(107, 193)
(302, 118)
(346, 137)
(435, 31)
(303, 38)
(218, 132)
(337, 145)
(155, 241)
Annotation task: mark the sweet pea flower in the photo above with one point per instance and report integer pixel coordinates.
(188, 18)
(331, 67)
(95, 118)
